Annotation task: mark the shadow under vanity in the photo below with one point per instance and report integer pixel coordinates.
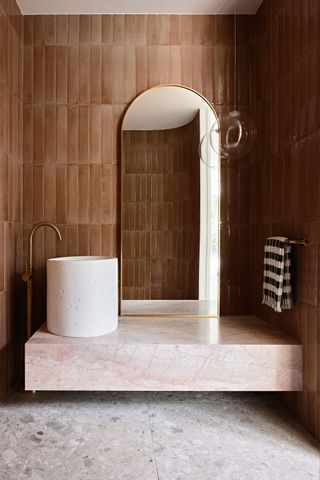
(170, 334)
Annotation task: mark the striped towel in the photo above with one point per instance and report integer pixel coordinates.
(277, 290)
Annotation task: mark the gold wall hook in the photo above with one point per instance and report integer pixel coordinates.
(303, 242)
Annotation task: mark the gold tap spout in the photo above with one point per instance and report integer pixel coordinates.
(27, 275)
(35, 228)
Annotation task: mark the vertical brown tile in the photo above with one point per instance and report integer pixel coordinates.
(73, 134)
(62, 29)
(73, 29)
(28, 194)
(107, 29)
(95, 194)
(2, 252)
(95, 134)
(118, 29)
(61, 74)
(158, 65)
(107, 76)
(72, 240)
(50, 193)
(130, 29)
(38, 194)
(39, 30)
(84, 75)
(38, 134)
(108, 195)
(84, 194)
(141, 69)
(186, 29)
(158, 29)
(72, 198)
(175, 65)
(84, 134)
(73, 74)
(49, 243)
(2, 185)
(107, 134)
(95, 74)
(27, 134)
(108, 240)
(50, 74)
(62, 134)
(28, 29)
(118, 111)
(28, 79)
(141, 27)
(84, 29)
(38, 74)
(61, 194)
(175, 29)
(118, 74)
(50, 133)
(83, 239)
(130, 73)
(95, 29)
(95, 239)
(50, 29)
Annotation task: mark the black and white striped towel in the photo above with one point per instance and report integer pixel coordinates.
(277, 290)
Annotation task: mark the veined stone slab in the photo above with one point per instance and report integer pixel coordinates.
(234, 353)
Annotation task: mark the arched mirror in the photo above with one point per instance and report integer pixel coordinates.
(169, 206)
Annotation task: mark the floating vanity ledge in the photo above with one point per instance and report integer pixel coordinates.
(233, 353)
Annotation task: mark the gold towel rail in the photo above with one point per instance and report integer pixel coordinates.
(304, 242)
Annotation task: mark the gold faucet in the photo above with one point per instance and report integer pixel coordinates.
(27, 275)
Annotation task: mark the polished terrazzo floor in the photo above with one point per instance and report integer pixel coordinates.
(150, 436)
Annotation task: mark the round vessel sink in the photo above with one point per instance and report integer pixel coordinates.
(82, 296)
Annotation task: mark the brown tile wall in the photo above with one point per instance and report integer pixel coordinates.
(285, 173)
(80, 74)
(11, 109)
(160, 208)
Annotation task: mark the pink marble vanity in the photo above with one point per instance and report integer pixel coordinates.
(235, 353)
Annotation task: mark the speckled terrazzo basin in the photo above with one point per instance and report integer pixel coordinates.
(82, 296)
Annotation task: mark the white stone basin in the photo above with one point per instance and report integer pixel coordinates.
(82, 296)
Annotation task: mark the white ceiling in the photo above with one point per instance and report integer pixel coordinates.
(163, 108)
(43, 7)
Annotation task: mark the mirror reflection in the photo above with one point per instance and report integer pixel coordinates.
(169, 205)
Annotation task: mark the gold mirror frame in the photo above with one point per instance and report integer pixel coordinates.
(167, 315)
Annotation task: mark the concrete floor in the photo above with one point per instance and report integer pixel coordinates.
(150, 436)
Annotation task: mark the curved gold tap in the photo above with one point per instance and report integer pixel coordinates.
(27, 275)
(35, 228)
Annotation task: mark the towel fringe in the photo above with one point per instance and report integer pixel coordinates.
(270, 302)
